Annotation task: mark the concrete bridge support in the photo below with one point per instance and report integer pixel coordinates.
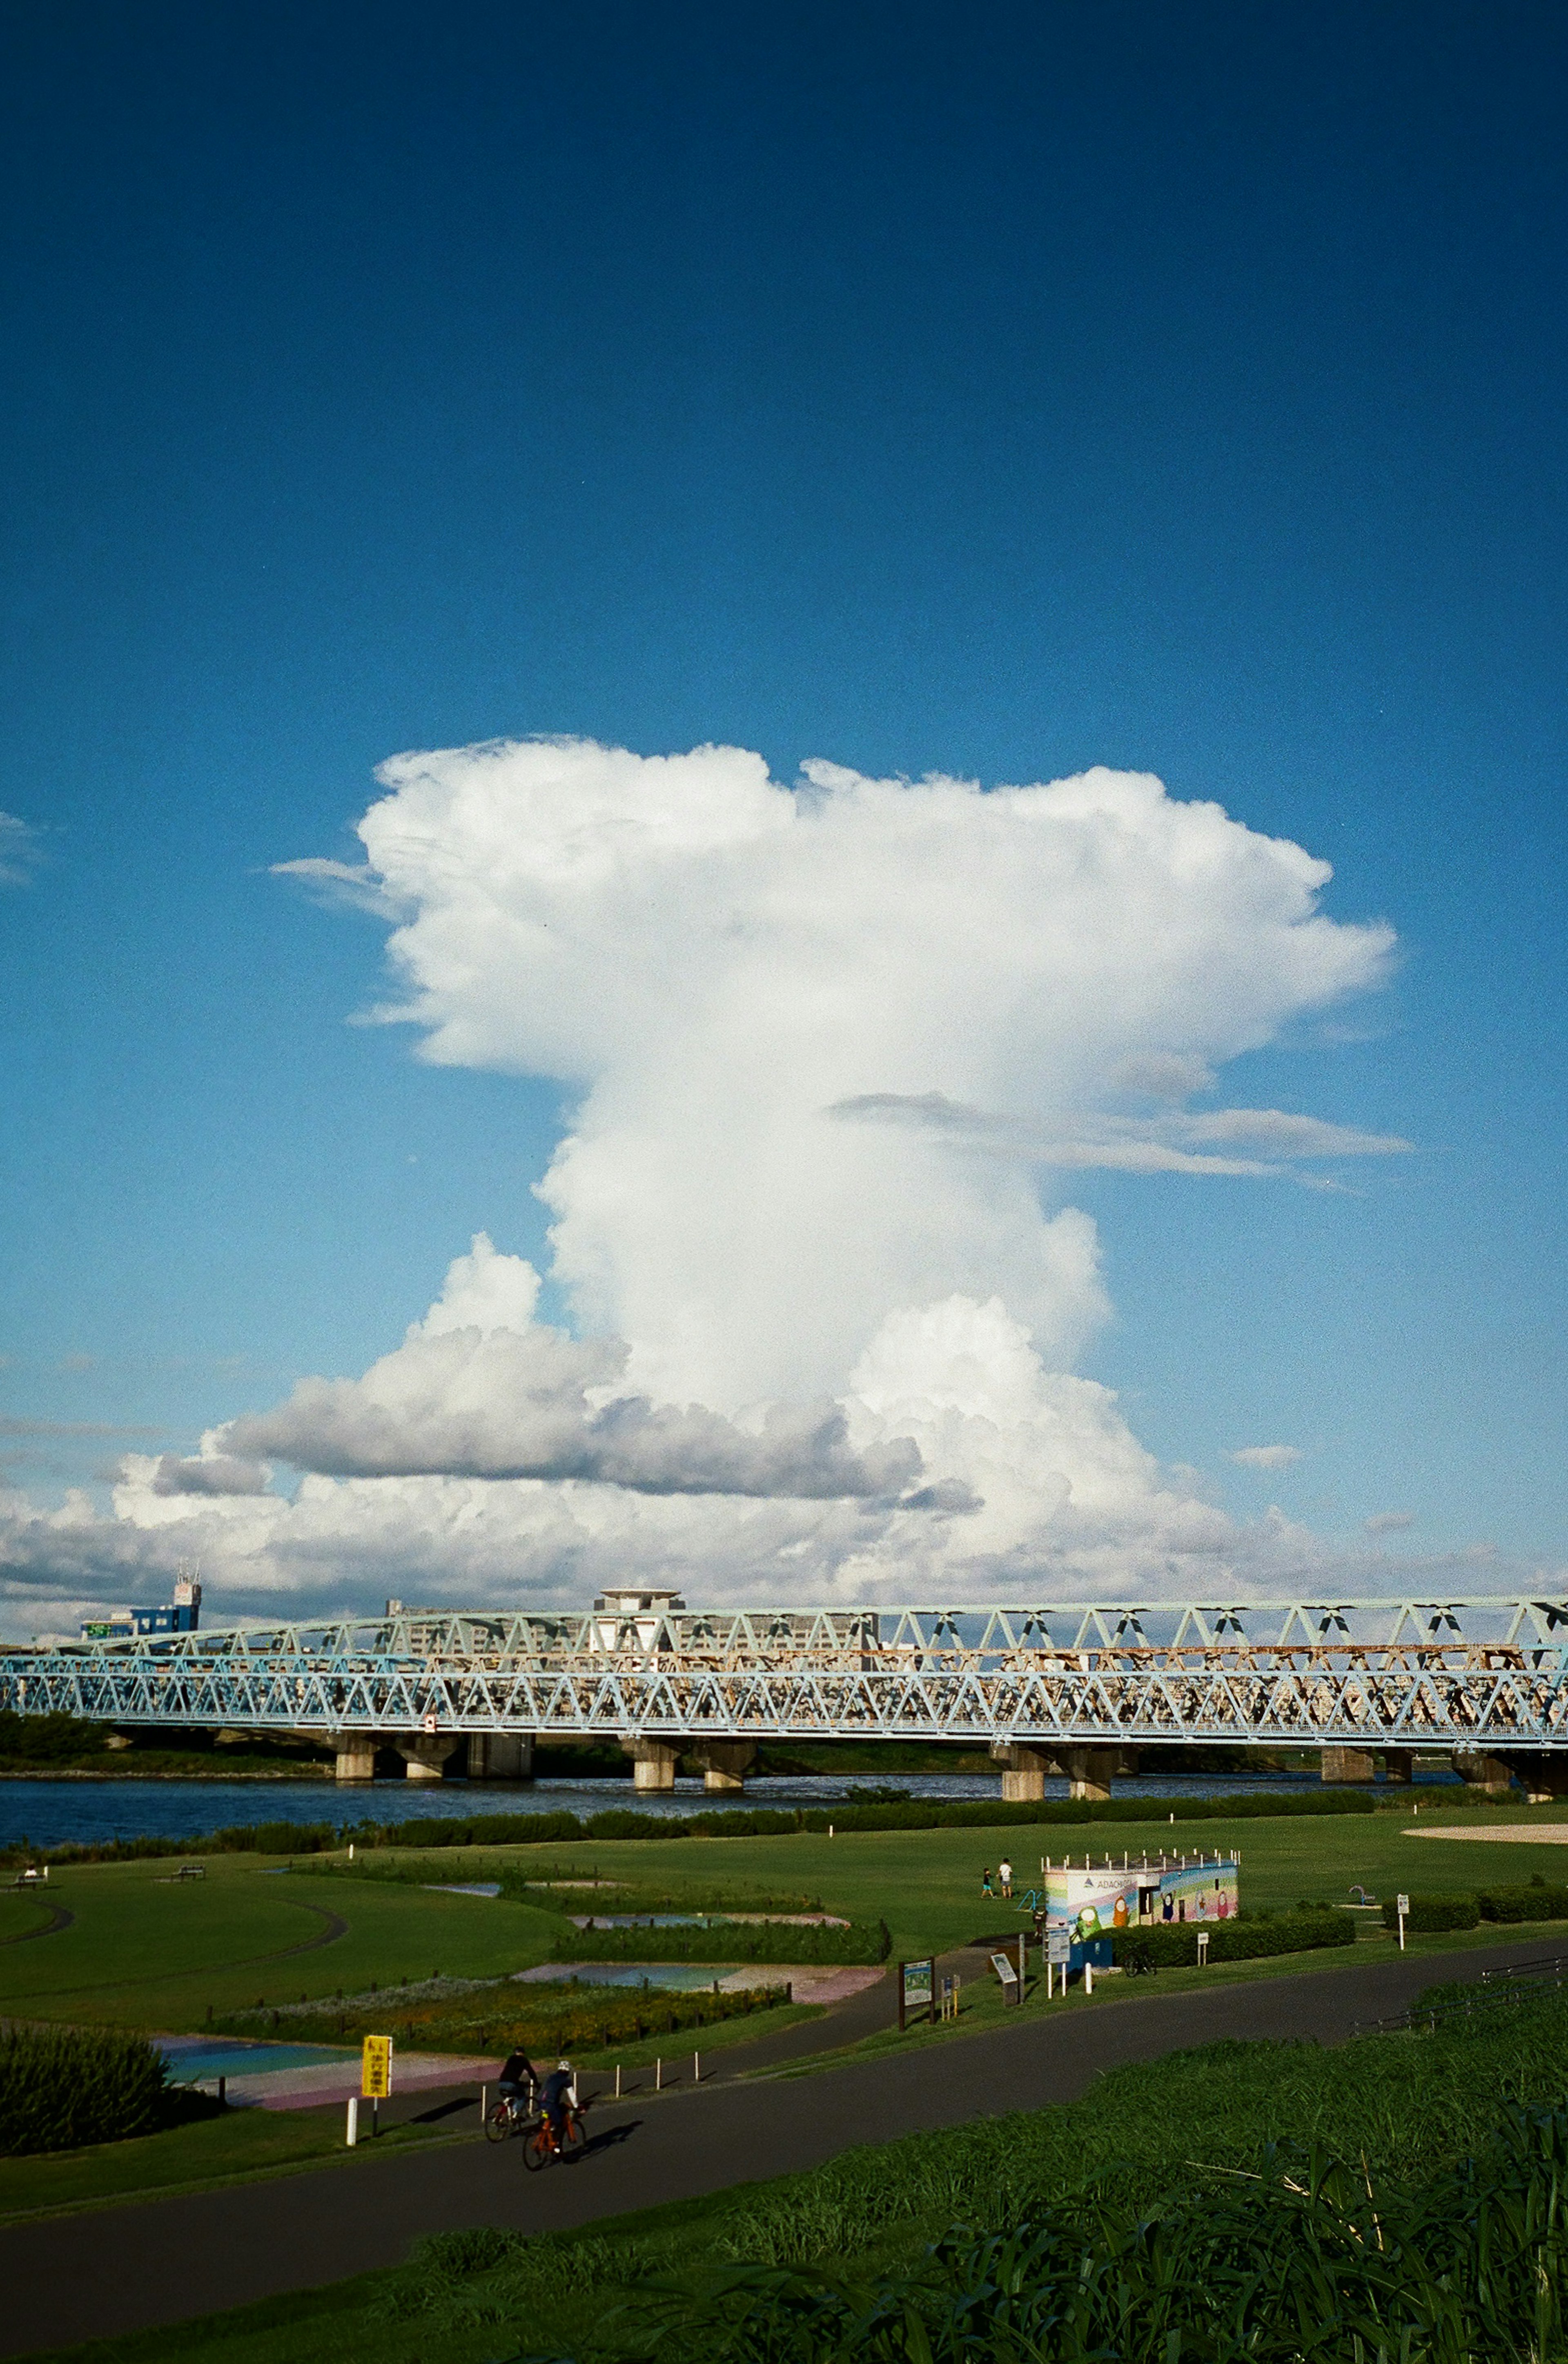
(1343, 1764)
(1480, 1771)
(1089, 1771)
(1543, 1773)
(654, 1764)
(425, 1753)
(500, 1756)
(354, 1752)
(724, 1763)
(1024, 1771)
(1399, 1766)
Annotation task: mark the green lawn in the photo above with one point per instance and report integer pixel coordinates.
(236, 2147)
(148, 1951)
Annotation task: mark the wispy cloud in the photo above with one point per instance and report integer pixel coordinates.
(1207, 1140)
(341, 884)
(21, 851)
(1266, 1456)
(1389, 1522)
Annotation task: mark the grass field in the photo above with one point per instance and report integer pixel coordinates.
(146, 1951)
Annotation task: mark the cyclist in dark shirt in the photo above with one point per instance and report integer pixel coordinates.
(518, 2075)
(557, 2097)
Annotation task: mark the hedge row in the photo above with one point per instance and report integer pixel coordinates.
(547, 2020)
(536, 1829)
(1536, 1902)
(1173, 1945)
(730, 1941)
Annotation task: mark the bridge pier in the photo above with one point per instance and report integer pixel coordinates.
(1344, 1764)
(1089, 1771)
(724, 1763)
(1024, 1771)
(500, 1756)
(425, 1753)
(1543, 1773)
(653, 1765)
(1399, 1766)
(1479, 1770)
(354, 1752)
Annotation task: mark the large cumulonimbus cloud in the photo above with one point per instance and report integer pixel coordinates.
(833, 1052)
(831, 1043)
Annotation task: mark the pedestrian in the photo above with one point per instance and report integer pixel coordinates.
(985, 1887)
(1006, 1872)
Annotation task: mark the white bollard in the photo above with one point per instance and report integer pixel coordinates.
(1088, 1978)
(352, 2133)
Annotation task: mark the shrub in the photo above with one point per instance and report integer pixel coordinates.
(1431, 1913)
(61, 2087)
(1536, 1902)
(863, 1941)
(568, 2018)
(1173, 1945)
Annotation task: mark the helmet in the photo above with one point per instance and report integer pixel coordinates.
(563, 2064)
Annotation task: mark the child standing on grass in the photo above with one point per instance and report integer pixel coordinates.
(1005, 1871)
(985, 1887)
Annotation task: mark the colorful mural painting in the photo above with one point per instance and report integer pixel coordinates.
(1093, 1900)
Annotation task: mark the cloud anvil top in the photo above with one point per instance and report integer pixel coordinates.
(1462, 1673)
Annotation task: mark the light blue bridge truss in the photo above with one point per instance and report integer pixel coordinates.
(1477, 1675)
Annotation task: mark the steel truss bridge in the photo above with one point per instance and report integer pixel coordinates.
(1478, 1675)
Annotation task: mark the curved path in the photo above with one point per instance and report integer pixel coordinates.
(128, 2268)
(59, 1918)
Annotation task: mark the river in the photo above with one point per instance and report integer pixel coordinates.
(53, 1812)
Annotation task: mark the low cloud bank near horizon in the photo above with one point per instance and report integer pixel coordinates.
(830, 1049)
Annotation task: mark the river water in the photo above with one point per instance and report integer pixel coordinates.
(51, 1812)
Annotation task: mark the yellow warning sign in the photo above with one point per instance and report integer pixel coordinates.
(375, 2076)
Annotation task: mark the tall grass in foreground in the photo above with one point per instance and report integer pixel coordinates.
(1312, 2259)
(61, 2087)
(1174, 2168)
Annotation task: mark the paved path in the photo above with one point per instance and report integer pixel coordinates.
(129, 2268)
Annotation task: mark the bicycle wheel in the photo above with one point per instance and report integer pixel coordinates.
(500, 2122)
(572, 2136)
(537, 2149)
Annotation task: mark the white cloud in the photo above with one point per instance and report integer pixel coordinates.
(826, 1047)
(1388, 1523)
(714, 963)
(480, 1388)
(20, 850)
(1266, 1456)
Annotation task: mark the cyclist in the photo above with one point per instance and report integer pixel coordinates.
(518, 2077)
(557, 2099)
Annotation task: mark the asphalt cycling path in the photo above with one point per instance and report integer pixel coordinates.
(130, 2268)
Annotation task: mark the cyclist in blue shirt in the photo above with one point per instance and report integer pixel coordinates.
(557, 2098)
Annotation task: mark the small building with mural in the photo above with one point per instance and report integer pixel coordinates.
(1091, 1902)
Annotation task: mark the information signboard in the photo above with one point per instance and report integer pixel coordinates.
(1058, 1945)
(375, 2069)
(917, 1991)
(1007, 1971)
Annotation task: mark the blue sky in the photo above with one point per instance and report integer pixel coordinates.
(1179, 391)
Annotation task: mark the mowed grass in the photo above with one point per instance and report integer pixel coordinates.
(926, 1884)
(238, 2147)
(147, 1951)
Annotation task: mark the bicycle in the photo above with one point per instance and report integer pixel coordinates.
(542, 2146)
(507, 2116)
